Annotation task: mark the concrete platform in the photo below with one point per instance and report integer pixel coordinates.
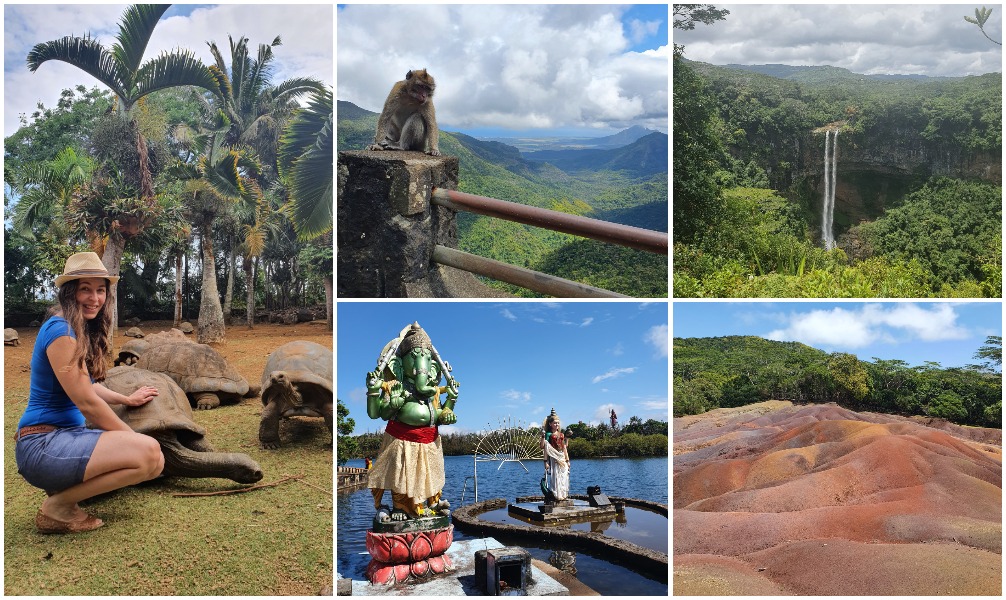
(459, 583)
(578, 512)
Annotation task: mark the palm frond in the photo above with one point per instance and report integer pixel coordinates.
(294, 88)
(135, 29)
(169, 69)
(306, 158)
(223, 176)
(85, 53)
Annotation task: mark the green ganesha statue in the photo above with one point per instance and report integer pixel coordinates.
(405, 390)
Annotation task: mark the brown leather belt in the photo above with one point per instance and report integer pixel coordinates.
(31, 429)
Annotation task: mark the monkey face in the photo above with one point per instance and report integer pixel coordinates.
(421, 85)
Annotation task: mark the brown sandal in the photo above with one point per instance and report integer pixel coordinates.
(46, 524)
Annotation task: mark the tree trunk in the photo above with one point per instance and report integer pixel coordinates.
(210, 325)
(327, 279)
(111, 259)
(229, 292)
(146, 181)
(249, 268)
(178, 290)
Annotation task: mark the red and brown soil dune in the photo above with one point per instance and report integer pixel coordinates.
(777, 499)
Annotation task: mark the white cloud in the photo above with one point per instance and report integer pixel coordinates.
(657, 336)
(508, 315)
(587, 321)
(618, 350)
(849, 328)
(510, 66)
(357, 395)
(653, 405)
(516, 396)
(920, 38)
(613, 373)
(640, 30)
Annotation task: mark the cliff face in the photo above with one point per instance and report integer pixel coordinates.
(877, 169)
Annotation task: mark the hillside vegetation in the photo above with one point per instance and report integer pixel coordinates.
(738, 370)
(915, 156)
(625, 185)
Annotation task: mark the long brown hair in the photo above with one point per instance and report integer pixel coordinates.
(92, 335)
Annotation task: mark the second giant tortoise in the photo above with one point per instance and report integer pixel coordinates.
(10, 337)
(168, 419)
(297, 381)
(199, 370)
(130, 352)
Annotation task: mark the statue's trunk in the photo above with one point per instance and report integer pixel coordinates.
(180, 461)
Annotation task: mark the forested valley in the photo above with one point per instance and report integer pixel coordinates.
(731, 371)
(627, 185)
(913, 165)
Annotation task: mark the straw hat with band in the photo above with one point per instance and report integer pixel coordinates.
(83, 265)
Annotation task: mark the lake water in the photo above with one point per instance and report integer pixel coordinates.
(644, 478)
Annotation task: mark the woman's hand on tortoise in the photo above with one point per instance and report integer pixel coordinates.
(141, 396)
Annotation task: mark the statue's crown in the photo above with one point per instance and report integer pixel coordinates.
(415, 338)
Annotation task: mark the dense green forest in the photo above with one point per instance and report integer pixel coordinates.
(625, 185)
(637, 438)
(918, 200)
(737, 370)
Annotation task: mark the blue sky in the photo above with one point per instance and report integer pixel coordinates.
(517, 69)
(307, 32)
(520, 359)
(945, 332)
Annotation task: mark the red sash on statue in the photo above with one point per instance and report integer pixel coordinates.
(411, 433)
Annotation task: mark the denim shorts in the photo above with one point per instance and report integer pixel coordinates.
(56, 460)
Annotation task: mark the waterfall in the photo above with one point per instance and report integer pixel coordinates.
(830, 181)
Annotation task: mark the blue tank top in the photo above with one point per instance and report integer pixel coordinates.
(48, 404)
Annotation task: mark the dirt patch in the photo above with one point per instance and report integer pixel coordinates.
(780, 488)
(246, 349)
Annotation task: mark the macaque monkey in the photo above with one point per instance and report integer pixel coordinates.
(409, 120)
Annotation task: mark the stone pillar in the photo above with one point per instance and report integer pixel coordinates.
(387, 227)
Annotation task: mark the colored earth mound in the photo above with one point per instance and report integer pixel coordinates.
(778, 499)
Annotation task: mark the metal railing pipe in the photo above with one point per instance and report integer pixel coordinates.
(525, 278)
(615, 233)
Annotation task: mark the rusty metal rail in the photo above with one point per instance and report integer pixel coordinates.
(623, 235)
(525, 278)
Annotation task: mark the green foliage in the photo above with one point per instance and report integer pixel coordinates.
(992, 351)
(951, 227)
(739, 130)
(347, 447)
(47, 131)
(697, 155)
(736, 370)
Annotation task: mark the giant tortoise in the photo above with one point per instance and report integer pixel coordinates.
(200, 370)
(130, 352)
(168, 419)
(297, 381)
(10, 337)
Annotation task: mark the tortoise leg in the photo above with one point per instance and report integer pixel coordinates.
(326, 413)
(268, 430)
(207, 400)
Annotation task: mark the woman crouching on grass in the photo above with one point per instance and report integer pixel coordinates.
(54, 450)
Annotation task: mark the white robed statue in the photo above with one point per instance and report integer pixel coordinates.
(555, 484)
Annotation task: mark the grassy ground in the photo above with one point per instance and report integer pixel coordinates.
(271, 541)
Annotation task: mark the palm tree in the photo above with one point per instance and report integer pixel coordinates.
(46, 191)
(220, 176)
(254, 110)
(255, 107)
(119, 68)
(305, 160)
